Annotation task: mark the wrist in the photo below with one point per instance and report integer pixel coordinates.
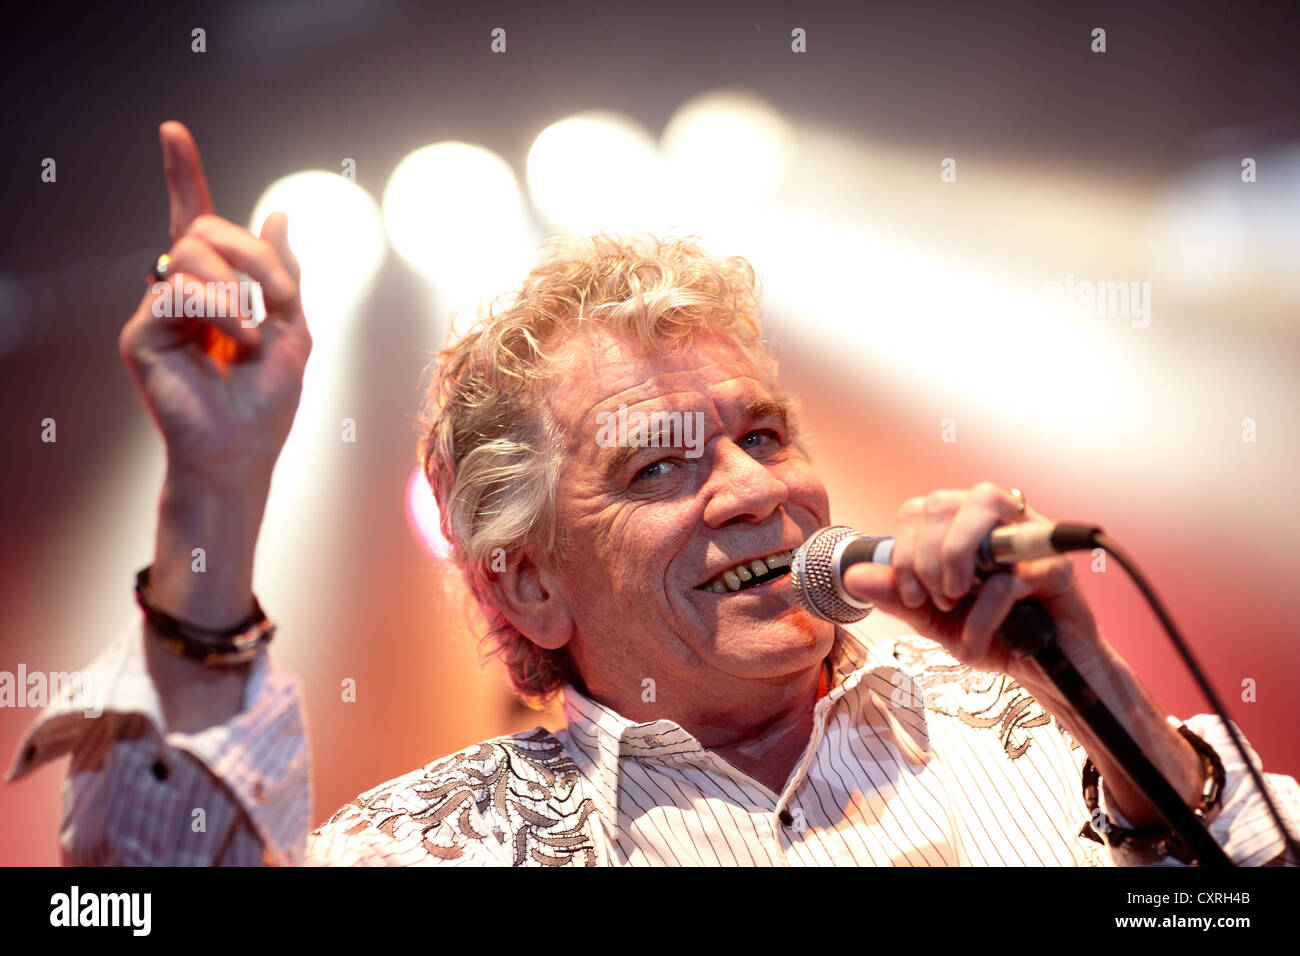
(209, 646)
(1151, 842)
(243, 479)
(204, 547)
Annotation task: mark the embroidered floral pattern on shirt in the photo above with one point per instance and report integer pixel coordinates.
(518, 789)
(979, 699)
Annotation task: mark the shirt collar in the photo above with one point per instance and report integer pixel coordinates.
(859, 666)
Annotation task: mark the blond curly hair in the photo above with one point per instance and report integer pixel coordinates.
(491, 451)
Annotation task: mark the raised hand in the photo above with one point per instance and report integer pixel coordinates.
(223, 394)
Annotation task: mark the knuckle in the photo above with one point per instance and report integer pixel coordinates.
(185, 248)
(1061, 572)
(911, 508)
(988, 493)
(206, 224)
(941, 503)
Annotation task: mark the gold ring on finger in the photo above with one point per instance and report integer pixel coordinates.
(1020, 502)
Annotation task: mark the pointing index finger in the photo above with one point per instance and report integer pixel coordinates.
(187, 189)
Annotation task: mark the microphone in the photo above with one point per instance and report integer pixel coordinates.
(818, 565)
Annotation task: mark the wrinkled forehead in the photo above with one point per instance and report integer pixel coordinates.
(599, 373)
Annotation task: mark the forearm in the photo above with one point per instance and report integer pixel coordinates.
(212, 589)
(1114, 683)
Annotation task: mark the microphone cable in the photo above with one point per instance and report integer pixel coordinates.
(1108, 545)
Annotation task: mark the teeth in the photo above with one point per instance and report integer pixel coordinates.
(732, 579)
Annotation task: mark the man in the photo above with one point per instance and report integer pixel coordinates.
(711, 720)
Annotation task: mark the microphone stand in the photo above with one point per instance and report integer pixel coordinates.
(1029, 632)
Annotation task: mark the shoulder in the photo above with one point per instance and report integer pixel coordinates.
(512, 800)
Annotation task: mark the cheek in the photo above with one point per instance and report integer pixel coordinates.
(625, 551)
(604, 541)
(806, 489)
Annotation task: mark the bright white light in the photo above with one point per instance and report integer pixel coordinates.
(595, 171)
(454, 211)
(724, 151)
(934, 326)
(1201, 236)
(422, 515)
(1214, 236)
(336, 235)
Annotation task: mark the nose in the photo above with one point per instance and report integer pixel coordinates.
(740, 488)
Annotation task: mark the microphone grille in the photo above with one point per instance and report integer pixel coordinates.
(813, 572)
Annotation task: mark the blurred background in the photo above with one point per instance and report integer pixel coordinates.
(988, 252)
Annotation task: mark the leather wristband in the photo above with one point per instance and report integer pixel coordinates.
(1157, 840)
(234, 645)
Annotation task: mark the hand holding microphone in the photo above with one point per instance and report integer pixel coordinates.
(1032, 624)
(933, 571)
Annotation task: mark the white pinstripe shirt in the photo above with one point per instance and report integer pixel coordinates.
(914, 760)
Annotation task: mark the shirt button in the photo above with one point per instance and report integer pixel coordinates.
(652, 741)
(786, 818)
(159, 770)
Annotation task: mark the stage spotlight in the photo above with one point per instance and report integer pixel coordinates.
(1217, 235)
(422, 515)
(596, 170)
(335, 232)
(724, 151)
(934, 327)
(454, 211)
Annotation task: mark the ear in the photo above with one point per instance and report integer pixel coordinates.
(526, 593)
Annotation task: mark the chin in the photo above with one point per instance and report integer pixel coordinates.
(786, 646)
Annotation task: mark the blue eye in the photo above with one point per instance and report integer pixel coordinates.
(759, 433)
(649, 470)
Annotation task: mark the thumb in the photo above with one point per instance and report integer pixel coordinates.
(875, 583)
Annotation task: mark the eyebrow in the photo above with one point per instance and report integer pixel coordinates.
(617, 458)
(620, 456)
(767, 408)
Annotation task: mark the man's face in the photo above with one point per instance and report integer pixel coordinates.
(650, 527)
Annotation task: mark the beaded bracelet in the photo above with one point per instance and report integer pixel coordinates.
(1156, 840)
(235, 645)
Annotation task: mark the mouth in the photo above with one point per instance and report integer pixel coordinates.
(750, 574)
